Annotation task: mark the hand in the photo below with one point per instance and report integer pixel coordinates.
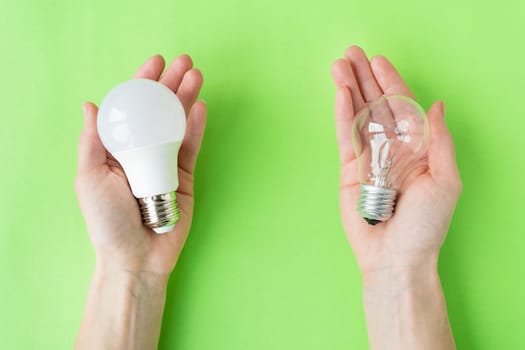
(414, 235)
(112, 214)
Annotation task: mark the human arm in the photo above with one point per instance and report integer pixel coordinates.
(126, 298)
(403, 298)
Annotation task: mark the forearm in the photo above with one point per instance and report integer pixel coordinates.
(405, 309)
(123, 310)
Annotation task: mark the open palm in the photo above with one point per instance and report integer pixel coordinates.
(111, 212)
(426, 201)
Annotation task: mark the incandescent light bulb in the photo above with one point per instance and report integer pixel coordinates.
(142, 123)
(390, 137)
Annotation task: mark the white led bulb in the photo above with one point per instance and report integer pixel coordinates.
(142, 124)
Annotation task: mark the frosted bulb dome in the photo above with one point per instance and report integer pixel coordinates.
(140, 113)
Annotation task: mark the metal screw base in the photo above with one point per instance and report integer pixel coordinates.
(160, 210)
(376, 204)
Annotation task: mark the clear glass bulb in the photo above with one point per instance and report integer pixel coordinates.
(142, 123)
(390, 137)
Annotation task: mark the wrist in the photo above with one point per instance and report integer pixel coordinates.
(402, 275)
(132, 275)
(124, 308)
(405, 307)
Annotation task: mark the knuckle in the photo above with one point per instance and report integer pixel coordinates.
(459, 186)
(455, 186)
(79, 184)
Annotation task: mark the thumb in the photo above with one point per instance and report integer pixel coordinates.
(441, 153)
(91, 152)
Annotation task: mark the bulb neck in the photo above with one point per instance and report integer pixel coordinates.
(151, 169)
(159, 212)
(376, 204)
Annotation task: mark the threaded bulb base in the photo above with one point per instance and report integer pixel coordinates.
(159, 212)
(376, 204)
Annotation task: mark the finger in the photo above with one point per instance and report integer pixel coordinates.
(344, 77)
(344, 117)
(189, 88)
(365, 78)
(388, 78)
(193, 137)
(91, 151)
(151, 69)
(172, 77)
(441, 153)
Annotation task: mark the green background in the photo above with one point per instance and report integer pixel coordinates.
(267, 265)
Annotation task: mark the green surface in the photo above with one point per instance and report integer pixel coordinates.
(267, 265)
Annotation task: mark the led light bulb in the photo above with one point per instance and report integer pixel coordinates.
(142, 123)
(390, 137)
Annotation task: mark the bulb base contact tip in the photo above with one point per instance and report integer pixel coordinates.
(376, 204)
(159, 212)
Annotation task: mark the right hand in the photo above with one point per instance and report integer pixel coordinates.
(413, 236)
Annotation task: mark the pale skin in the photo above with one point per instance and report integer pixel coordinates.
(403, 299)
(126, 299)
(404, 302)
